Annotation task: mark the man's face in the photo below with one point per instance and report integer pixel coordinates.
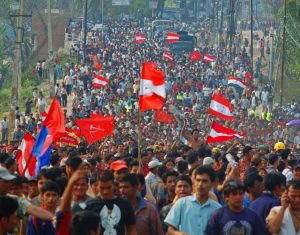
(16, 190)
(202, 184)
(33, 190)
(41, 182)
(106, 190)
(50, 199)
(235, 199)
(80, 187)
(4, 187)
(297, 173)
(9, 223)
(127, 190)
(170, 183)
(134, 170)
(183, 189)
(257, 188)
(119, 174)
(294, 197)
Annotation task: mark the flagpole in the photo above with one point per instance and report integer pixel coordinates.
(139, 128)
(27, 164)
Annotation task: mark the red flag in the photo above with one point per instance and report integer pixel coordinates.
(220, 133)
(23, 156)
(221, 108)
(94, 129)
(68, 138)
(96, 115)
(152, 87)
(163, 116)
(43, 116)
(167, 56)
(208, 58)
(173, 37)
(99, 81)
(139, 38)
(195, 55)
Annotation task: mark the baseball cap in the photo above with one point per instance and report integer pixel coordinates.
(5, 175)
(154, 163)
(208, 161)
(118, 165)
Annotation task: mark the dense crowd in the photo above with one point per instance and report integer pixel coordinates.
(179, 184)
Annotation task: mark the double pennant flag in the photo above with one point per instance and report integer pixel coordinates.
(99, 81)
(173, 37)
(219, 133)
(152, 87)
(208, 58)
(94, 129)
(221, 108)
(167, 56)
(237, 83)
(139, 38)
(53, 124)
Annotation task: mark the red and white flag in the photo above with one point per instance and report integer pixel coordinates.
(208, 58)
(249, 76)
(167, 56)
(219, 133)
(23, 156)
(99, 81)
(152, 87)
(173, 37)
(94, 129)
(221, 108)
(43, 116)
(139, 38)
(195, 55)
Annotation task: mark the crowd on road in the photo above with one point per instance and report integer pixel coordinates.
(179, 184)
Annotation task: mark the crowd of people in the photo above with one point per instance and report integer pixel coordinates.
(178, 184)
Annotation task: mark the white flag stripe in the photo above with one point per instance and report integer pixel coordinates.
(147, 88)
(100, 82)
(213, 133)
(235, 82)
(220, 108)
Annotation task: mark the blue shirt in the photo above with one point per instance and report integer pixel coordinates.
(188, 215)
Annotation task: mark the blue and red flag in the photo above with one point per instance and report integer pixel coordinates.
(54, 123)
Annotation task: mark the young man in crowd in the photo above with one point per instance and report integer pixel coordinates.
(234, 218)
(146, 214)
(285, 219)
(8, 215)
(189, 215)
(50, 197)
(254, 186)
(116, 214)
(80, 189)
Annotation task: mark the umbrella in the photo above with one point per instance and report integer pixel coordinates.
(295, 122)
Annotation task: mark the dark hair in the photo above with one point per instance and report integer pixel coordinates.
(74, 162)
(192, 157)
(185, 178)
(47, 174)
(246, 150)
(206, 169)
(9, 162)
(250, 179)
(233, 186)
(167, 174)
(130, 178)
(106, 176)
(168, 159)
(295, 184)
(272, 180)
(17, 180)
(8, 206)
(84, 222)
(141, 179)
(134, 163)
(3, 157)
(161, 170)
(54, 158)
(50, 186)
(273, 158)
(182, 166)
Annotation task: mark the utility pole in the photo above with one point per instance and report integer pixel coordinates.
(221, 23)
(102, 21)
(271, 66)
(251, 34)
(232, 30)
(50, 50)
(84, 25)
(17, 70)
(283, 51)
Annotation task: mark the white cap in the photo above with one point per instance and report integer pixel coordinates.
(208, 161)
(154, 163)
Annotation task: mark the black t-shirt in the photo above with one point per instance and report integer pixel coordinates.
(114, 214)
